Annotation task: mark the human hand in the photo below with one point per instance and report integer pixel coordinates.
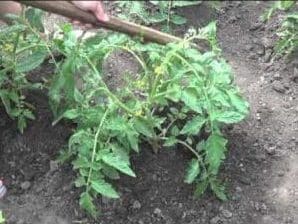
(95, 7)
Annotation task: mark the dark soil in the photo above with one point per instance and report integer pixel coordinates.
(261, 168)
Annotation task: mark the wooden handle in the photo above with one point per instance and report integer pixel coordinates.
(69, 10)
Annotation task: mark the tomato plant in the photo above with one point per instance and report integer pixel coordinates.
(181, 97)
(181, 94)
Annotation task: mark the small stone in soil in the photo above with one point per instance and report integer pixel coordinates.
(244, 180)
(276, 76)
(25, 185)
(157, 212)
(295, 75)
(270, 150)
(136, 205)
(227, 214)
(255, 26)
(233, 19)
(278, 87)
(215, 220)
(53, 165)
(260, 50)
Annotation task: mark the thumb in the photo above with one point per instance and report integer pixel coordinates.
(100, 12)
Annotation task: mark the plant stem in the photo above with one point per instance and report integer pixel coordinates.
(94, 148)
(108, 92)
(190, 148)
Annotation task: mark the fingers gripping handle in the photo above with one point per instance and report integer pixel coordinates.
(69, 10)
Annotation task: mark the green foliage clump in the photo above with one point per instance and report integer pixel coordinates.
(288, 32)
(2, 219)
(278, 5)
(288, 35)
(181, 94)
(181, 97)
(157, 12)
(22, 50)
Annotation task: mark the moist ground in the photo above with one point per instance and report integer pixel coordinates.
(261, 168)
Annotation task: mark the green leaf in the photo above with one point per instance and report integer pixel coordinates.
(175, 131)
(193, 170)
(8, 30)
(2, 219)
(28, 114)
(174, 92)
(71, 114)
(185, 3)
(104, 188)
(178, 20)
(285, 5)
(191, 99)
(228, 117)
(81, 162)
(201, 188)
(144, 127)
(86, 202)
(119, 163)
(238, 102)
(170, 141)
(22, 123)
(193, 126)
(215, 148)
(30, 62)
(80, 181)
(218, 189)
(133, 140)
(34, 17)
(110, 172)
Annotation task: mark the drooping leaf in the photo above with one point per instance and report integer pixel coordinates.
(201, 187)
(193, 127)
(28, 114)
(71, 114)
(86, 202)
(133, 140)
(193, 170)
(118, 162)
(81, 162)
(191, 99)
(178, 20)
(229, 117)
(144, 127)
(170, 141)
(218, 189)
(215, 147)
(30, 62)
(104, 188)
(238, 102)
(80, 181)
(110, 172)
(34, 17)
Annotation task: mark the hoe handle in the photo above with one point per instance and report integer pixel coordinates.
(69, 10)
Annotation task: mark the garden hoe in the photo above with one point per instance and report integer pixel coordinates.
(69, 10)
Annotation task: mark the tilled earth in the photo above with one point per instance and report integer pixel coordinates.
(261, 169)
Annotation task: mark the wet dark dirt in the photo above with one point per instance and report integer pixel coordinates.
(261, 168)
